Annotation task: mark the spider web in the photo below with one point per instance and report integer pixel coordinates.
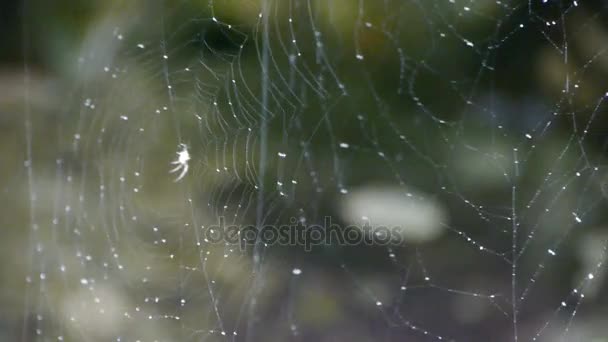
(475, 126)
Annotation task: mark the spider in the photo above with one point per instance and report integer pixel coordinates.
(183, 156)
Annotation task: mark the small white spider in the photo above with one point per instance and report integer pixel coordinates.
(183, 156)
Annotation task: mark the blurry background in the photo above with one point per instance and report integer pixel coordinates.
(477, 127)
